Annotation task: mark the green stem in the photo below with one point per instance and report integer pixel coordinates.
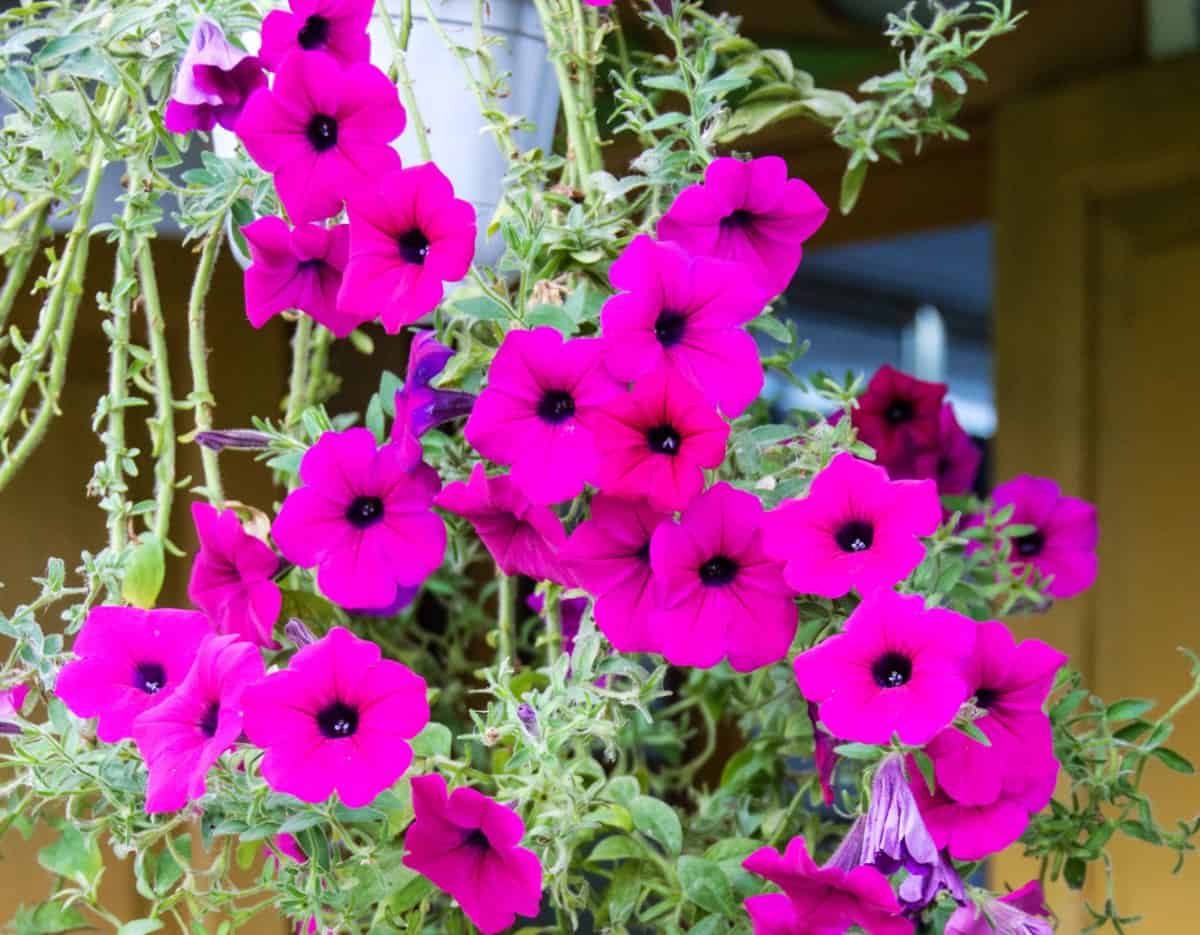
(318, 367)
(19, 266)
(553, 616)
(202, 397)
(298, 383)
(163, 424)
(404, 81)
(578, 167)
(505, 616)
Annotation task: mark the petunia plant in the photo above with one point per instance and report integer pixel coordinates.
(567, 629)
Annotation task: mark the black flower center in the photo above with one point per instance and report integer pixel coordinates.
(643, 554)
(150, 677)
(556, 406)
(208, 723)
(414, 247)
(899, 411)
(664, 440)
(717, 571)
(985, 698)
(338, 720)
(1029, 545)
(314, 33)
(668, 328)
(477, 840)
(855, 536)
(365, 511)
(739, 218)
(892, 670)
(322, 132)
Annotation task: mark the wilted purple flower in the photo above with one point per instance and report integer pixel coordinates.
(241, 439)
(1022, 912)
(213, 82)
(420, 407)
(297, 631)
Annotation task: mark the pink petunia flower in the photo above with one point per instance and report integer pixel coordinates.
(337, 719)
(820, 900)
(598, 2)
(213, 83)
(183, 737)
(232, 577)
(1062, 546)
(655, 441)
(610, 554)
(720, 595)
(289, 848)
(854, 530)
(301, 269)
(896, 668)
(748, 212)
(899, 416)
(1021, 912)
(469, 846)
(363, 518)
(336, 27)
(685, 313)
(1010, 682)
(522, 537)
(408, 236)
(129, 660)
(537, 412)
(420, 407)
(11, 702)
(953, 463)
(324, 129)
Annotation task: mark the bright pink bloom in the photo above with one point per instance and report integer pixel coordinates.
(896, 668)
(538, 409)
(953, 463)
(720, 596)
(337, 719)
(1062, 546)
(289, 848)
(1021, 912)
(324, 129)
(336, 27)
(299, 268)
(598, 2)
(183, 737)
(232, 577)
(11, 702)
(1010, 682)
(129, 660)
(469, 845)
(899, 416)
(855, 529)
(685, 313)
(408, 236)
(655, 441)
(363, 518)
(213, 82)
(420, 407)
(522, 537)
(748, 212)
(820, 900)
(610, 554)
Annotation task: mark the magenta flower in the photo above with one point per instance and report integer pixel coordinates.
(720, 596)
(11, 702)
(655, 441)
(420, 407)
(337, 719)
(538, 409)
(324, 129)
(363, 519)
(336, 27)
(855, 529)
(289, 848)
(301, 269)
(958, 457)
(1010, 683)
(522, 537)
(469, 846)
(685, 313)
(820, 900)
(213, 83)
(129, 660)
(748, 212)
(1062, 546)
(232, 577)
(896, 668)
(610, 554)
(598, 2)
(824, 756)
(899, 416)
(1021, 912)
(408, 236)
(183, 737)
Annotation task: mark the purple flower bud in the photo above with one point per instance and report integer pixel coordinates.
(243, 439)
(213, 82)
(300, 635)
(528, 718)
(420, 407)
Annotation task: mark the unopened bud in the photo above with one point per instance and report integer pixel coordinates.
(528, 718)
(300, 635)
(243, 439)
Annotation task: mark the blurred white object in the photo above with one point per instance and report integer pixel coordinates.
(1172, 27)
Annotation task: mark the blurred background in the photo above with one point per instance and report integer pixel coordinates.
(1048, 270)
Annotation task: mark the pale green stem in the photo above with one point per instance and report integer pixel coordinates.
(19, 266)
(202, 397)
(163, 444)
(301, 340)
(505, 616)
(552, 613)
(318, 366)
(578, 150)
(399, 43)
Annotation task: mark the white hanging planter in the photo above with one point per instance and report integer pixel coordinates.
(458, 141)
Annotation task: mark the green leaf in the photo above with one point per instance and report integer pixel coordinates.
(1136, 829)
(925, 765)
(410, 893)
(434, 740)
(553, 315)
(624, 892)
(852, 183)
(319, 614)
(15, 86)
(858, 751)
(1173, 760)
(1069, 703)
(1075, 873)
(623, 790)
(144, 573)
(971, 729)
(482, 307)
(140, 927)
(658, 820)
(47, 918)
(705, 885)
(73, 856)
(1128, 708)
(617, 848)
(709, 925)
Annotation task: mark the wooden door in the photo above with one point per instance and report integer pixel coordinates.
(1097, 342)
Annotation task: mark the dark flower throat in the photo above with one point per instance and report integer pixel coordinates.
(892, 670)
(668, 328)
(338, 720)
(476, 840)
(717, 571)
(664, 440)
(314, 33)
(899, 411)
(150, 677)
(1028, 546)
(208, 723)
(556, 406)
(364, 512)
(414, 247)
(322, 132)
(855, 536)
